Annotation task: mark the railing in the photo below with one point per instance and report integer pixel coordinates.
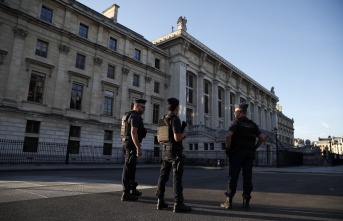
(13, 151)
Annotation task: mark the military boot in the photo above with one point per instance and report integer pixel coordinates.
(246, 205)
(161, 204)
(227, 204)
(180, 207)
(128, 197)
(136, 193)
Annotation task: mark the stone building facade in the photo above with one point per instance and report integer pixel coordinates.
(285, 128)
(331, 144)
(68, 74)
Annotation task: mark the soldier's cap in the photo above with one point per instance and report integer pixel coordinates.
(242, 106)
(173, 101)
(140, 101)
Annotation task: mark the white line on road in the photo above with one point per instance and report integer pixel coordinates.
(32, 193)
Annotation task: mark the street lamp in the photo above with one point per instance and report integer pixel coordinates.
(277, 148)
(330, 154)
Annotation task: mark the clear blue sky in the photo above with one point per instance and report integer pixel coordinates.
(295, 46)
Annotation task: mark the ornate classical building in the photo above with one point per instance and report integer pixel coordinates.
(285, 128)
(68, 74)
(331, 144)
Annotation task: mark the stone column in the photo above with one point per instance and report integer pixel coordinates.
(124, 92)
(15, 65)
(178, 84)
(215, 122)
(96, 100)
(59, 103)
(228, 119)
(200, 100)
(237, 97)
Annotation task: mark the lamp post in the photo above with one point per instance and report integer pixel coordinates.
(277, 148)
(330, 153)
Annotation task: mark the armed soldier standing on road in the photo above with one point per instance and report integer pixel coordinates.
(132, 133)
(241, 145)
(172, 157)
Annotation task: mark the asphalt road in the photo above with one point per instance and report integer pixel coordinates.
(95, 195)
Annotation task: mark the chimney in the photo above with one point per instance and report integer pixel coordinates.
(112, 12)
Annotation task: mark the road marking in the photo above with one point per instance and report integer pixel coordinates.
(32, 193)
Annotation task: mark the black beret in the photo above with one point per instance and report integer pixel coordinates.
(242, 106)
(173, 101)
(140, 101)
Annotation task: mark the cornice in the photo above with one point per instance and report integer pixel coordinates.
(183, 34)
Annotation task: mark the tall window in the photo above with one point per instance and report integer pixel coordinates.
(74, 139)
(220, 102)
(157, 87)
(32, 127)
(80, 61)
(113, 44)
(31, 140)
(252, 111)
(189, 116)
(111, 71)
(189, 88)
(242, 100)
(108, 136)
(83, 30)
(108, 103)
(190, 146)
(211, 146)
(260, 116)
(76, 96)
(232, 105)
(36, 88)
(157, 63)
(155, 113)
(207, 98)
(135, 80)
(42, 48)
(205, 146)
(137, 55)
(46, 14)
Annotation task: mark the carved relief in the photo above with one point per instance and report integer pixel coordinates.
(185, 47)
(18, 32)
(64, 48)
(147, 79)
(203, 59)
(243, 88)
(97, 61)
(125, 70)
(216, 68)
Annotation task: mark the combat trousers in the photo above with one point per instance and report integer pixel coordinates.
(176, 165)
(129, 168)
(241, 159)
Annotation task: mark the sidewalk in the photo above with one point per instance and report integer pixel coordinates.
(295, 169)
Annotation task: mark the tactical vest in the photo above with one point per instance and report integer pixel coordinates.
(244, 136)
(164, 129)
(125, 130)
